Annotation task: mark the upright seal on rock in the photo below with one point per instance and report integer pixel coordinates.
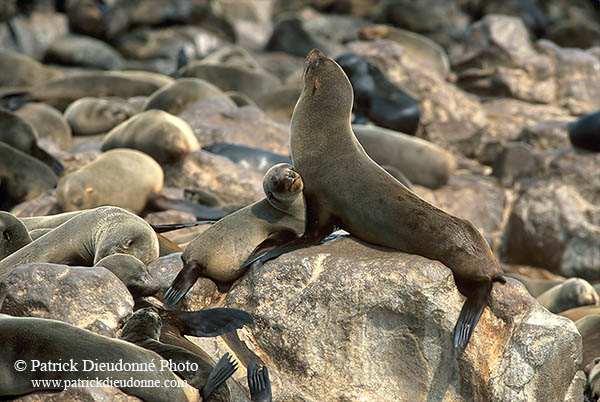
(217, 252)
(345, 188)
(87, 238)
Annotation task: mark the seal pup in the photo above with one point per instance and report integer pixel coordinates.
(535, 287)
(592, 370)
(47, 221)
(48, 123)
(19, 134)
(584, 133)
(29, 339)
(589, 328)
(121, 177)
(259, 383)
(577, 313)
(161, 135)
(217, 252)
(87, 238)
(573, 292)
(90, 116)
(345, 188)
(132, 272)
(23, 177)
(13, 234)
(144, 329)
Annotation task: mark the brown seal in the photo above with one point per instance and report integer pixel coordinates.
(573, 292)
(345, 188)
(13, 234)
(124, 178)
(218, 252)
(87, 238)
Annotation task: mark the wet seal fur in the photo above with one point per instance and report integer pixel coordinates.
(347, 189)
(42, 339)
(218, 252)
(87, 238)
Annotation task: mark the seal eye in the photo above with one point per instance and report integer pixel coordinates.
(7, 235)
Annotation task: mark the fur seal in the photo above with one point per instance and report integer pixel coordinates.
(161, 135)
(259, 383)
(23, 177)
(535, 287)
(573, 292)
(175, 98)
(592, 370)
(13, 234)
(577, 313)
(90, 116)
(87, 238)
(48, 123)
(589, 328)
(48, 221)
(249, 157)
(39, 339)
(421, 161)
(132, 272)
(585, 132)
(19, 134)
(121, 177)
(19, 70)
(348, 190)
(62, 92)
(217, 252)
(144, 329)
(377, 98)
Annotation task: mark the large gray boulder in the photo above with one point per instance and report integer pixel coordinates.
(552, 226)
(349, 321)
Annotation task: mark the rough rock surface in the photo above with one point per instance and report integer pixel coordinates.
(217, 121)
(227, 181)
(553, 227)
(90, 298)
(380, 325)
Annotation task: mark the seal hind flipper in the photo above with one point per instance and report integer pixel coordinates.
(159, 202)
(54, 164)
(470, 315)
(222, 371)
(176, 226)
(186, 278)
(259, 383)
(208, 323)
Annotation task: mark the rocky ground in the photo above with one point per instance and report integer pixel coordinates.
(497, 87)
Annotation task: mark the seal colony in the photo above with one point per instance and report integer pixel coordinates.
(350, 191)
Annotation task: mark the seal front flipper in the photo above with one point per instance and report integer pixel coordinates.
(222, 371)
(259, 383)
(186, 278)
(207, 323)
(470, 315)
(275, 239)
(54, 164)
(272, 253)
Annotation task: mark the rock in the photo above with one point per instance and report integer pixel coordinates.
(200, 296)
(48, 123)
(450, 117)
(87, 394)
(230, 183)
(217, 121)
(577, 75)
(553, 227)
(547, 135)
(18, 70)
(380, 326)
(442, 21)
(498, 59)
(506, 118)
(516, 161)
(79, 50)
(90, 298)
(44, 204)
